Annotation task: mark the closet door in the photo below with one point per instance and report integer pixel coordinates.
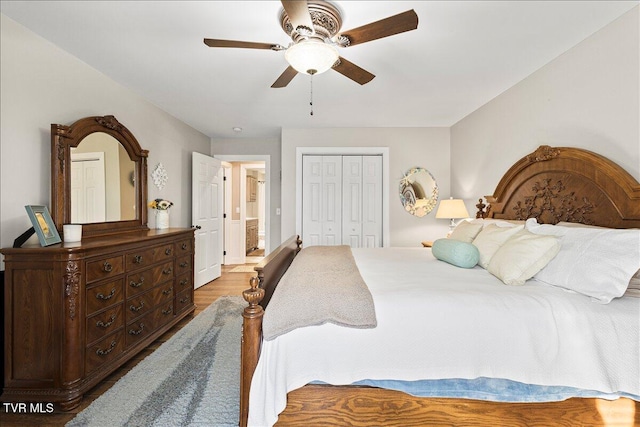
(352, 201)
(321, 200)
(371, 201)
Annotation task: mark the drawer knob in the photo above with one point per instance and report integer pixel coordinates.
(167, 291)
(107, 266)
(101, 352)
(184, 246)
(167, 311)
(105, 297)
(137, 285)
(137, 259)
(184, 282)
(138, 332)
(184, 264)
(167, 251)
(167, 270)
(102, 324)
(183, 300)
(138, 308)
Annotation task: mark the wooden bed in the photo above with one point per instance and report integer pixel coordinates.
(552, 184)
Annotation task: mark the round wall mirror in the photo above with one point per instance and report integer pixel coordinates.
(418, 191)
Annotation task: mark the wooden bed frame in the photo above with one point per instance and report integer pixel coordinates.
(552, 184)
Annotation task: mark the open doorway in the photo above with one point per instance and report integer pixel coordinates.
(254, 211)
(247, 207)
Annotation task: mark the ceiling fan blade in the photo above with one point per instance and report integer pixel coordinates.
(298, 13)
(285, 77)
(352, 71)
(390, 26)
(247, 45)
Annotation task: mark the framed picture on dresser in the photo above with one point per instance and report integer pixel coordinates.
(43, 224)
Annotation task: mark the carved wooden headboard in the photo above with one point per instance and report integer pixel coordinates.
(556, 184)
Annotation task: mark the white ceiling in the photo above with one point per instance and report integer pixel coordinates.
(463, 54)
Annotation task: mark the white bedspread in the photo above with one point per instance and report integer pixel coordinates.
(439, 321)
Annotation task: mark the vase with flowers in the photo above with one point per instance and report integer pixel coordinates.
(161, 207)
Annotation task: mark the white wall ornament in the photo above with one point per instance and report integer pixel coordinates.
(160, 176)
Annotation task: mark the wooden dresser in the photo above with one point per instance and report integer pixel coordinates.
(75, 312)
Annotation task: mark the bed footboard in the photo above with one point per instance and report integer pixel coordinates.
(269, 272)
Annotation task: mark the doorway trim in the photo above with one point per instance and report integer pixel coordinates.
(250, 158)
(346, 151)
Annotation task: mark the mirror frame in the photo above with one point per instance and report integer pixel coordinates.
(63, 138)
(434, 190)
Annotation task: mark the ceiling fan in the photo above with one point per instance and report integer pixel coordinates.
(314, 26)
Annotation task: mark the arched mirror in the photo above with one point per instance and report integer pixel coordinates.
(418, 191)
(98, 175)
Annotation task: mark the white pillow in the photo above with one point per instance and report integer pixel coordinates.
(636, 277)
(466, 231)
(598, 262)
(522, 256)
(489, 240)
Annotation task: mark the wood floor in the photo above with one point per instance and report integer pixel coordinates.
(227, 284)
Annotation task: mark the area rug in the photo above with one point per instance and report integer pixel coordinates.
(243, 269)
(193, 379)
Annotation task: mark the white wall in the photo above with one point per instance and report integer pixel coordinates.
(42, 84)
(588, 98)
(408, 147)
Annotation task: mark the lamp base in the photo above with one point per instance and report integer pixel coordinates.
(452, 225)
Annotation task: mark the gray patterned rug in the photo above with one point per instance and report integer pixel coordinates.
(193, 379)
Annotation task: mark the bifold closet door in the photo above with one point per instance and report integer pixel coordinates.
(342, 201)
(362, 201)
(321, 200)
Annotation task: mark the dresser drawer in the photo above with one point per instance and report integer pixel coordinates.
(103, 351)
(164, 313)
(152, 321)
(184, 281)
(104, 295)
(184, 264)
(140, 328)
(144, 280)
(104, 268)
(145, 302)
(146, 257)
(184, 300)
(104, 323)
(183, 247)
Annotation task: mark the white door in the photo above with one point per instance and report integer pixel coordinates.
(371, 201)
(207, 205)
(228, 193)
(322, 200)
(352, 201)
(88, 188)
(342, 200)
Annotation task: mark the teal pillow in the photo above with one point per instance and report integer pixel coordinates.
(460, 254)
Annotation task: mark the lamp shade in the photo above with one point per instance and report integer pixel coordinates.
(452, 209)
(311, 57)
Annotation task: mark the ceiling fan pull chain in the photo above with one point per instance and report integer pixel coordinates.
(311, 98)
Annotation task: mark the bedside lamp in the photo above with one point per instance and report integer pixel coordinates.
(452, 209)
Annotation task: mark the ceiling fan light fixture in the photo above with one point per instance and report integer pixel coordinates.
(311, 56)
